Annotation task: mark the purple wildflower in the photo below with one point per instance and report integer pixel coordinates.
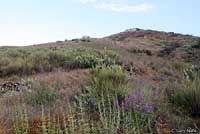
(147, 106)
(136, 101)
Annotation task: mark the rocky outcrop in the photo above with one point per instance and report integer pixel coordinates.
(10, 88)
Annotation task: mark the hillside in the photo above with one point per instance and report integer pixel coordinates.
(169, 44)
(137, 81)
(177, 46)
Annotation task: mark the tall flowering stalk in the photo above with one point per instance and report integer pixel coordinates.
(136, 109)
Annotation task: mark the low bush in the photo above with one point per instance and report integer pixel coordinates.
(186, 95)
(39, 60)
(56, 59)
(139, 51)
(197, 45)
(169, 48)
(106, 80)
(25, 61)
(179, 66)
(191, 72)
(86, 61)
(41, 95)
(112, 80)
(118, 111)
(133, 114)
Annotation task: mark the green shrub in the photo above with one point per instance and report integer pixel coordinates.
(193, 44)
(27, 82)
(87, 61)
(11, 66)
(196, 44)
(186, 95)
(25, 61)
(191, 72)
(179, 66)
(86, 95)
(106, 80)
(39, 61)
(56, 59)
(112, 80)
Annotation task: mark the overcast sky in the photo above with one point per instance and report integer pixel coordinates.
(26, 22)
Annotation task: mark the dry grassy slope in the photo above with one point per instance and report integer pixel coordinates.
(139, 39)
(157, 41)
(150, 37)
(142, 40)
(145, 37)
(150, 70)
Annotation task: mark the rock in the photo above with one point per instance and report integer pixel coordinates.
(9, 88)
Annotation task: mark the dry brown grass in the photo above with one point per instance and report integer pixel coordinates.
(68, 83)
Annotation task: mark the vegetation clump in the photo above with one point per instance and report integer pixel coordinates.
(186, 95)
(118, 110)
(111, 80)
(79, 86)
(41, 95)
(25, 61)
(106, 80)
